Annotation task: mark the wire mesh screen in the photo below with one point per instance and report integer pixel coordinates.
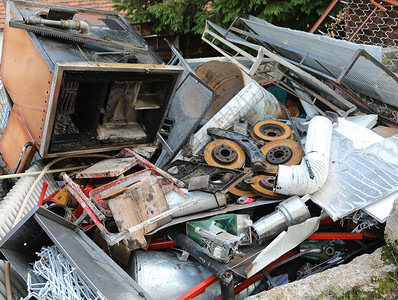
(330, 58)
(191, 101)
(362, 22)
(4, 108)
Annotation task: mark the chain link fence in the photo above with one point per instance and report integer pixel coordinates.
(361, 21)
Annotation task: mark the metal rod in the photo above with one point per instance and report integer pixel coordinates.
(43, 193)
(316, 95)
(364, 22)
(38, 172)
(324, 15)
(95, 215)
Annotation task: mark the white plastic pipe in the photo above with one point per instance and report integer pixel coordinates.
(295, 180)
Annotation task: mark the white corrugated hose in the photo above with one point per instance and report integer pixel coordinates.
(295, 180)
(9, 208)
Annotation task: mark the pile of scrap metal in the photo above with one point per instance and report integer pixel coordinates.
(213, 185)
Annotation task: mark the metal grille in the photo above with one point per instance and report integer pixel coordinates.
(190, 103)
(360, 21)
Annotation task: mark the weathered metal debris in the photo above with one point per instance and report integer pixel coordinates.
(214, 207)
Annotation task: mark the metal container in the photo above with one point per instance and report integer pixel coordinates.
(163, 276)
(225, 78)
(289, 212)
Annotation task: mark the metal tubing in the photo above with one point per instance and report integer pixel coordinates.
(227, 289)
(365, 21)
(85, 203)
(25, 147)
(324, 15)
(43, 193)
(68, 24)
(378, 5)
(218, 269)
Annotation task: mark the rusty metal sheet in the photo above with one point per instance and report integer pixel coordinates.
(113, 167)
(137, 204)
(225, 78)
(13, 140)
(22, 62)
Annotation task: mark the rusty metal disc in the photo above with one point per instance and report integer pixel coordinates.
(264, 185)
(271, 131)
(243, 190)
(281, 152)
(224, 153)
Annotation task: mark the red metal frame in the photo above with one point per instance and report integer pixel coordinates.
(94, 214)
(148, 165)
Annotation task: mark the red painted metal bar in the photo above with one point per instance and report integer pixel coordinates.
(324, 15)
(327, 220)
(378, 5)
(199, 289)
(74, 189)
(245, 284)
(43, 193)
(161, 245)
(336, 236)
(53, 194)
(146, 164)
(393, 2)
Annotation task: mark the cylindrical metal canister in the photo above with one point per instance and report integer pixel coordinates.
(289, 212)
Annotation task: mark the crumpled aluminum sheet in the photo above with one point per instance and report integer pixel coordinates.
(358, 177)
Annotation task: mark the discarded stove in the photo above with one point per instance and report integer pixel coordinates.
(97, 89)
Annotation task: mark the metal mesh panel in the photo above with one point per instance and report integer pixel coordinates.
(4, 108)
(346, 63)
(380, 29)
(191, 101)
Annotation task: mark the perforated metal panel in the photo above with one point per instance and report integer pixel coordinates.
(191, 101)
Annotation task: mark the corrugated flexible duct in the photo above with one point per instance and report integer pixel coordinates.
(9, 208)
(295, 180)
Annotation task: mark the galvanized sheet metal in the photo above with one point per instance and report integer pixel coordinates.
(358, 177)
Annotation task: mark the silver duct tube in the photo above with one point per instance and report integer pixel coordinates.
(290, 212)
(295, 180)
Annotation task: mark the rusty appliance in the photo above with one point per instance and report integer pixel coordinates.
(79, 81)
